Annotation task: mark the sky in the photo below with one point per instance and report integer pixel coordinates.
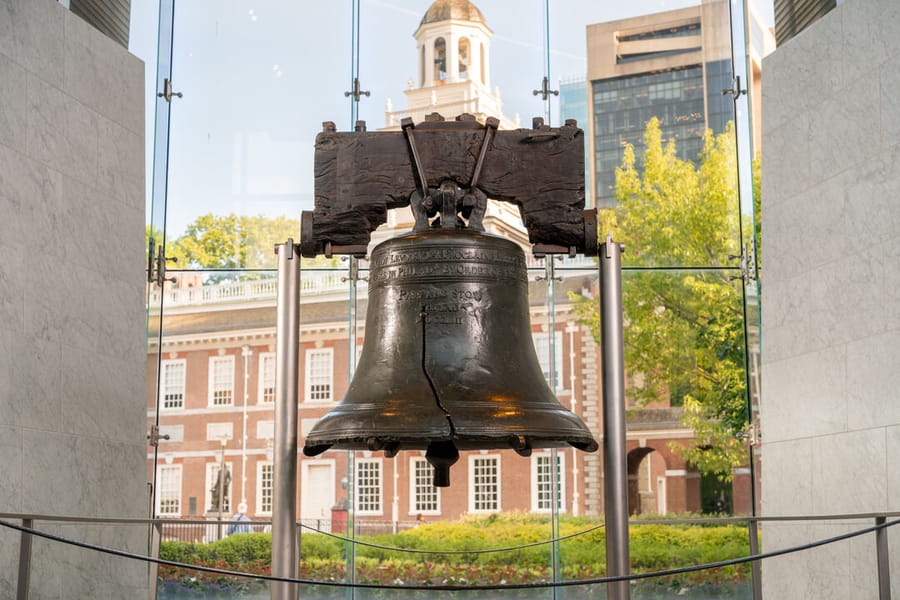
(259, 77)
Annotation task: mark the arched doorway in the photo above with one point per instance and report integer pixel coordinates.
(646, 482)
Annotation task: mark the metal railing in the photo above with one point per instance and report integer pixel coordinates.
(203, 530)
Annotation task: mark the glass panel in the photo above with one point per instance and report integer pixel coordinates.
(241, 143)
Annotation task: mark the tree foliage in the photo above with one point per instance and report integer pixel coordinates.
(684, 335)
(232, 241)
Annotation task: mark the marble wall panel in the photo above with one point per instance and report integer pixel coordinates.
(845, 129)
(94, 398)
(62, 133)
(863, 571)
(12, 279)
(32, 34)
(780, 578)
(815, 384)
(871, 35)
(13, 103)
(56, 480)
(788, 327)
(849, 472)
(810, 68)
(9, 561)
(31, 192)
(788, 470)
(121, 165)
(104, 241)
(847, 298)
(873, 381)
(786, 161)
(36, 379)
(10, 470)
(892, 450)
(94, 62)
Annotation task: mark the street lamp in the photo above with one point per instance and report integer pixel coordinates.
(222, 482)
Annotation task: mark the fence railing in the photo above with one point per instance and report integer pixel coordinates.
(205, 531)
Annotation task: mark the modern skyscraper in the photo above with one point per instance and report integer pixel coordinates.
(672, 65)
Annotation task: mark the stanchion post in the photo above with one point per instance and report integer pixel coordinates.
(755, 567)
(155, 538)
(884, 561)
(615, 493)
(287, 348)
(24, 581)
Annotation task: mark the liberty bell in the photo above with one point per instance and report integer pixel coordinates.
(448, 361)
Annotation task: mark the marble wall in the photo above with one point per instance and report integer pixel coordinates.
(831, 296)
(72, 324)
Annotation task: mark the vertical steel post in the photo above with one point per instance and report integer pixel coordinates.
(155, 538)
(755, 567)
(615, 471)
(24, 561)
(884, 561)
(287, 348)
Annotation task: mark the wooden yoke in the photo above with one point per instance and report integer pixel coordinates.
(360, 175)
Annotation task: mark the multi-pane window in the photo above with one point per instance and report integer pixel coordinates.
(221, 380)
(484, 483)
(424, 498)
(542, 489)
(319, 375)
(213, 487)
(267, 377)
(368, 486)
(173, 378)
(168, 491)
(550, 368)
(264, 487)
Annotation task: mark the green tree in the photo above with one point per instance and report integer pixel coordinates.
(232, 242)
(684, 336)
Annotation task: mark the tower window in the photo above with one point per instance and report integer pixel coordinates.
(440, 59)
(464, 58)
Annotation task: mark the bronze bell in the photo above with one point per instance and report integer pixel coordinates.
(448, 361)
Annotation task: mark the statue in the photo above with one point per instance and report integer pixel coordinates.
(219, 490)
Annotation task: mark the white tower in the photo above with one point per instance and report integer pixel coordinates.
(453, 44)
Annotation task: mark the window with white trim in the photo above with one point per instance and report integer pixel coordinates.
(265, 485)
(542, 482)
(424, 498)
(173, 380)
(266, 378)
(168, 490)
(542, 348)
(212, 478)
(221, 380)
(484, 483)
(319, 374)
(368, 486)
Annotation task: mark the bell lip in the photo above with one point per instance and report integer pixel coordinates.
(499, 442)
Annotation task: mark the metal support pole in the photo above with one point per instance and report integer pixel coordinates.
(284, 501)
(755, 567)
(615, 469)
(24, 561)
(884, 561)
(155, 537)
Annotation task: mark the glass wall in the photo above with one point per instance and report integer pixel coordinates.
(246, 87)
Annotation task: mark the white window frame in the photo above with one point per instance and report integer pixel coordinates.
(172, 491)
(215, 387)
(212, 471)
(320, 379)
(373, 502)
(266, 372)
(172, 388)
(541, 341)
(475, 487)
(265, 490)
(541, 484)
(421, 487)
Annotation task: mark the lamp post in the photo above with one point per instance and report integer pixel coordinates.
(246, 352)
